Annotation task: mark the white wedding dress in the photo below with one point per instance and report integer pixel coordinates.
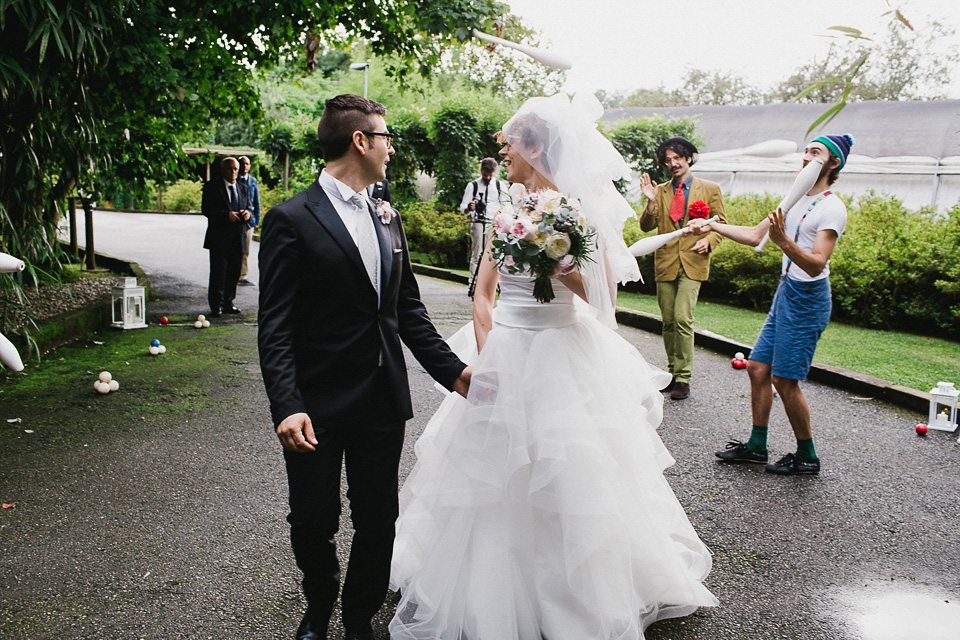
(538, 507)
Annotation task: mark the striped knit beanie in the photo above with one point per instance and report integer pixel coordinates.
(837, 145)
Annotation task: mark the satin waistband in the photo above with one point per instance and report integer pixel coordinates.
(542, 316)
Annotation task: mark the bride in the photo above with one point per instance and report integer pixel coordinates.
(538, 507)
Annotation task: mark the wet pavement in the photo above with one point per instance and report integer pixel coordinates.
(178, 531)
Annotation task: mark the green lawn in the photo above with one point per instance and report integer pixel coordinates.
(914, 361)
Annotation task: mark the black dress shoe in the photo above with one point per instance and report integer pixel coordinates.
(358, 636)
(231, 309)
(313, 626)
(215, 313)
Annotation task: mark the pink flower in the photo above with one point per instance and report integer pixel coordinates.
(502, 223)
(509, 262)
(565, 265)
(524, 229)
(385, 212)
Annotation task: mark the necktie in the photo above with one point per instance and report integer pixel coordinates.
(234, 204)
(366, 240)
(678, 206)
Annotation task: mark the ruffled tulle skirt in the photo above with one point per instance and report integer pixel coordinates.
(538, 507)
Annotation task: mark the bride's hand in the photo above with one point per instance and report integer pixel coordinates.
(462, 384)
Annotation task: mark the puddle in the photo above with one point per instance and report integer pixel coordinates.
(885, 612)
(910, 615)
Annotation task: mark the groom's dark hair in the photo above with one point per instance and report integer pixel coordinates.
(342, 116)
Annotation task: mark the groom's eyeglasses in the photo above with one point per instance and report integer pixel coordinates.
(388, 136)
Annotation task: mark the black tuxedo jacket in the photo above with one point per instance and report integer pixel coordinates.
(222, 234)
(321, 333)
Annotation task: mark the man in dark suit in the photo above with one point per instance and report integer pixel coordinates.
(337, 296)
(226, 205)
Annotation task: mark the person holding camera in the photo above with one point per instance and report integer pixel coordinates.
(481, 200)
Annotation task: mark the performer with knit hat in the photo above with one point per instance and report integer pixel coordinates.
(783, 352)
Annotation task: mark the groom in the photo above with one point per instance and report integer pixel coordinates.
(337, 296)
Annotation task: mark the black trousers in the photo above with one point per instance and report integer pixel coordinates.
(371, 450)
(224, 275)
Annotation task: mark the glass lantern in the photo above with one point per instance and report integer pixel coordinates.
(943, 407)
(129, 304)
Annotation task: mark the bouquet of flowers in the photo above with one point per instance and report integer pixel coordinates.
(545, 236)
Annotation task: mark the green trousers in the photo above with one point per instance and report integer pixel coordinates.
(678, 301)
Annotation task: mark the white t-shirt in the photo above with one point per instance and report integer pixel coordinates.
(821, 213)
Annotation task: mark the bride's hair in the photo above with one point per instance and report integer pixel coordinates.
(532, 133)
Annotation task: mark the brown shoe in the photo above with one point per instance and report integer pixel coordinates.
(681, 390)
(669, 387)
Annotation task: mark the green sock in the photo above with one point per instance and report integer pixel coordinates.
(805, 450)
(758, 439)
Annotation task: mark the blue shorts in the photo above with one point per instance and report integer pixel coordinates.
(799, 314)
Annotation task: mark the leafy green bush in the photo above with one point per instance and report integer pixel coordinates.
(738, 272)
(898, 268)
(271, 198)
(183, 195)
(443, 235)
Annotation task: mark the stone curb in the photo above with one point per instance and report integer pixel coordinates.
(859, 383)
(70, 326)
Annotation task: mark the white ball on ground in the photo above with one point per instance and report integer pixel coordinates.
(198, 324)
(206, 323)
(96, 384)
(113, 385)
(153, 350)
(201, 317)
(103, 387)
(105, 376)
(162, 349)
(738, 355)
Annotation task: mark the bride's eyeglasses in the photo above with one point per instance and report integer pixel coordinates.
(388, 136)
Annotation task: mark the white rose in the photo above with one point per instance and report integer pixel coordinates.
(549, 201)
(557, 246)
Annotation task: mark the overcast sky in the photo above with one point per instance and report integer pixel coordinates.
(621, 45)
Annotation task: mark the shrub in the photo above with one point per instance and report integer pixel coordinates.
(443, 235)
(898, 268)
(271, 198)
(183, 195)
(738, 272)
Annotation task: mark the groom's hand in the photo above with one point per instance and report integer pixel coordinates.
(296, 433)
(462, 384)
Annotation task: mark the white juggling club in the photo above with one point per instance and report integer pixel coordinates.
(542, 56)
(8, 263)
(803, 183)
(649, 245)
(9, 355)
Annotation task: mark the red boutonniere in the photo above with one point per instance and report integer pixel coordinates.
(699, 209)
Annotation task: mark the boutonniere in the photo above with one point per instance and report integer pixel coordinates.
(385, 212)
(699, 209)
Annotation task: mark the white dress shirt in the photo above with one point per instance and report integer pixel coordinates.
(340, 195)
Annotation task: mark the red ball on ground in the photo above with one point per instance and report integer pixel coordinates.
(164, 320)
(921, 429)
(738, 364)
